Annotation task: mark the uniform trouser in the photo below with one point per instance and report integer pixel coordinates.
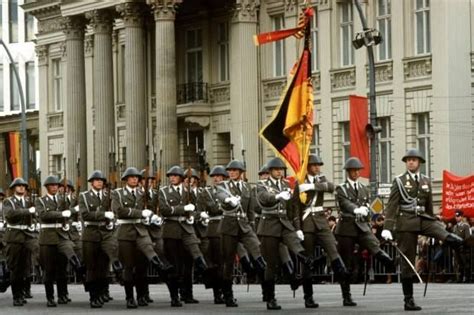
(54, 265)
(192, 244)
(175, 253)
(346, 245)
(229, 245)
(134, 260)
(408, 241)
(323, 237)
(270, 250)
(186, 283)
(463, 265)
(66, 248)
(18, 261)
(214, 261)
(97, 257)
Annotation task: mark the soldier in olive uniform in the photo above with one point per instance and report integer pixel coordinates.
(179, 237)
(99, 242)
(237, 225)
(353, 227)
(56, 246)
(134, 242)
(310, 220)
(4, 272)
(209, 203)
(275, 227)
(462, 254)
(409, 212)
(19, 238)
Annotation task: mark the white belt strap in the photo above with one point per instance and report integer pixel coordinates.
(51, 225)
(129, 221)
(310, 210)
(89, 223)
(216, 218)
(18, 227)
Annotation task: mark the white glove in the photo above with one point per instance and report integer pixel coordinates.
(109, 215)
(78, 225)
(146, 213)
(300, 235)
(2, 225)
(363, 211)
(387, 235)
(204, 215)
(32, 210)
(154, 218)
(306, 187)
(284, 195)
(66, 213)
(76, 208)
(233, 201)
(156, 221)
(189, 207)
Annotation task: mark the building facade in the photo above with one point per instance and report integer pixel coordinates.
(122, 81)
(17, 31)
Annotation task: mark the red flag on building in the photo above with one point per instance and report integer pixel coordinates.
(458, 194)
(359, 118)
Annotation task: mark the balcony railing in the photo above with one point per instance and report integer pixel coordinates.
(192, 92)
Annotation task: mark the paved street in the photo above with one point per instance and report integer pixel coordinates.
(380, 298)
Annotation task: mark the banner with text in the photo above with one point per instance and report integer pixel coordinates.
(458, 193)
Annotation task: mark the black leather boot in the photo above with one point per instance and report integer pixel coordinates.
(49, 289)
(16, 292)
(307, 260)
(173, 288)
(228, 294)
(407, 286)
(131, 303)
(218, 297)
(346, 294)
(308, 294)
(117, 267)
(93, 295)
(62, 291)
(246, 264)
(200, 264)
(272, 303)
(386, 260)
(27, 288)
(454, 241)
(340, 271)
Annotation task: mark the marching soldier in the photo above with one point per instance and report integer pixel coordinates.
(179, 237)
(353, 227)
(134, 242)
(4, 272)
(99, 243)
(273, 196)
(20, 239)
(310, 220)
(237, 225)
(409, 212)
(56, 246)
(209, 203)
(462, 254)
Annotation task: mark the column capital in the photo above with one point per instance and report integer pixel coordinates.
(245, 11)
(132, 14)
(42, 51)
(163, 9)
(89, 45)
(101, 21)
(62, 49)
(74, 27)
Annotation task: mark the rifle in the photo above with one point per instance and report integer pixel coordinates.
(158, 180)
(231, 151)
(66, 226)
(33, 193)
(202, 167)
(190, 217)
(244, 174)
(109, 224)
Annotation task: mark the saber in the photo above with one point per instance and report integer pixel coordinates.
(407, 260)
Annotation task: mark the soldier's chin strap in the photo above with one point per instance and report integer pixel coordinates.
(394, 244)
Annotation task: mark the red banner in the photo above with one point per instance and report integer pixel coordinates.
(359, 118)
(458, 193)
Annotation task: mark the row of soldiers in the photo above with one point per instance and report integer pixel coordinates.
(185, 227)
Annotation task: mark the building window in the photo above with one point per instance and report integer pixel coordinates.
(423, 140)
(223, 47)
(346, 140)
(279, 68)
(422, 22)
(346, 25)
(314, 41)
(30, 85)
(315, 147)
(57, 164)
(385, 150)
(29, 27)
(57, 85)
(384, 25)
(14, 91)
(13, 20)
(1, 88)
(194, 56)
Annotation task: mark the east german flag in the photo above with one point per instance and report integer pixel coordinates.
(290, 130)
(13, 154)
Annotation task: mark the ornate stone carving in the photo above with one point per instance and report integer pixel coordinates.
(132, 14)
(383, 72)
(343, 78)
(220, 93)
(89, 45)
(246, 10)
(42, 51)
(120, 112)
(323, 5)
(316, 81)
(202, 121)
(163, 9)
(290, 5)
(101, 21)
(417, 67)
(55, 120)
(62, 49)
(74, 27)
(50, 25)
(273, 88)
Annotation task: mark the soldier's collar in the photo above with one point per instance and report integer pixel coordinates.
(412, 175)
(352, 183)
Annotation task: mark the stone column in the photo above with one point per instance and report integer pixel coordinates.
(75, 107)
(42, 55)
(135, 83)
(103, 96)
(244, 87)
(165, 79)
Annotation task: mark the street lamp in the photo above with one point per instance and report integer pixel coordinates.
(370, 37)
(24, 140)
